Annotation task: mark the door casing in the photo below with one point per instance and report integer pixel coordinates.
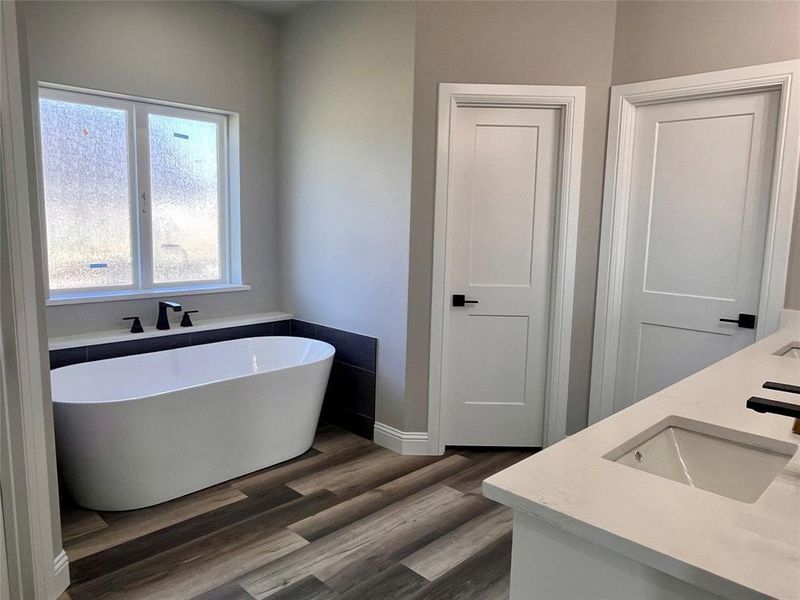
(625, 100)
(570, 100)
(37, 565)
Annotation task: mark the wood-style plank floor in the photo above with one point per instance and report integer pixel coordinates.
(346, 520)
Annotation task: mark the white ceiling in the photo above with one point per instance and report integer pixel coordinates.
(276, 8)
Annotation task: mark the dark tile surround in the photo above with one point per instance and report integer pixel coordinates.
(350, 398)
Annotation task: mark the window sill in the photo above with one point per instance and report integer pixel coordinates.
(90, 297)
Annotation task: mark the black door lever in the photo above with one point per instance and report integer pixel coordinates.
(744, 321)
(461, 300)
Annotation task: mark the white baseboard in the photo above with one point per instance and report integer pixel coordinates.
(403, 442)
(60, 574)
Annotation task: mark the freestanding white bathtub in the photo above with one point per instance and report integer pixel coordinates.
(139, 430)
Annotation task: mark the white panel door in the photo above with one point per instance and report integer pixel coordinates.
(499, 243)
(700, 189)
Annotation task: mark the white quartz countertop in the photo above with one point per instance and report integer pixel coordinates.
(731, 548)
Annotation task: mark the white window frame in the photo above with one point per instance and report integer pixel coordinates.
(138, 110)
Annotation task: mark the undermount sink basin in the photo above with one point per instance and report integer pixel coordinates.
(730, 463)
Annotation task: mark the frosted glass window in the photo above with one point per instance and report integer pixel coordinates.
(136, 196)
(184, 188)
(87, 194)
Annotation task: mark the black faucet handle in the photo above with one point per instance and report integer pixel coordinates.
(186, 321)
(781, 387)
(776, 407)
(136, 327)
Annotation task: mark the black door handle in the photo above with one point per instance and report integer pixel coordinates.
(461, 300)
(744, 321)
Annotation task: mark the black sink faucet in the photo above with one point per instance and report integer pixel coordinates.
(765, 405)
(163, 322)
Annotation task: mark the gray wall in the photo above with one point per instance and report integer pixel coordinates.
(658, 39)
(793, 284)
(558, 43)
(346, 79)
(202, 53)
(356, 199)
(670, 38)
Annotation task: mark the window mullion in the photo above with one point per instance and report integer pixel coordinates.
(223, 203)
(145, 241)
(133, 170)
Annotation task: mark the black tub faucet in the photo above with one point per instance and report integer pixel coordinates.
(163, 321)
(765, 405)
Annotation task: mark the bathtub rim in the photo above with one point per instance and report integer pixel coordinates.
(329, 355)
